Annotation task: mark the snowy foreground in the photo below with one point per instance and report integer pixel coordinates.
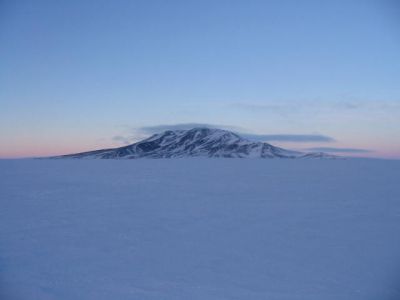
(199, 229)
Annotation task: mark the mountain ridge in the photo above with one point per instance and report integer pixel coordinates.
(195, 142)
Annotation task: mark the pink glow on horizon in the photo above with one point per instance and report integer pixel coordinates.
(44, 150)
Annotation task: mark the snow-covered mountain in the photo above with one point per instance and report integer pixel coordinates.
(196, 142)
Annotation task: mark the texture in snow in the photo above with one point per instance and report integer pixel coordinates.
(199, 229)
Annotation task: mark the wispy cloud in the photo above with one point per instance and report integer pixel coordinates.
(241, 131)
(293, 110)
(339, 150)
(289, 106)
(182, 126)
(136, 134)
(300, 138)
(126, 140)
(295, 107)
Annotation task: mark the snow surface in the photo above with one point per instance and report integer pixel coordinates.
(199, 229)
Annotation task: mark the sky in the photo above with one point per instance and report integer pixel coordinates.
(306, 75)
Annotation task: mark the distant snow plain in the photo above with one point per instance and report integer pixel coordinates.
(200, 229)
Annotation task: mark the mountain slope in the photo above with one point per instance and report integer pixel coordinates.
(196, 142)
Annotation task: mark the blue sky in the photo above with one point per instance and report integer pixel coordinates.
(80, 75)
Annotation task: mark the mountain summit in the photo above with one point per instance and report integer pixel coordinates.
(196, 142)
